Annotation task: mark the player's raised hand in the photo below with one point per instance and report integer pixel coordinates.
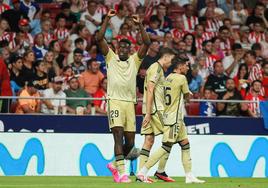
(136, 18)
(146, 120)
(111, 13)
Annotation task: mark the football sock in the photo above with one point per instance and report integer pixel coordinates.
(162, 163)
(120, 164)
(144, 155)
(157, 156)
(186, 158)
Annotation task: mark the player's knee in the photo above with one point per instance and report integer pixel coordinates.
(167, 146)
(149, 140)
(185, 144)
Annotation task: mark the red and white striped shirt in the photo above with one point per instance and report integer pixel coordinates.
(199, 41)
(5, 36)
(226, 46)
(254, 107)
(177, 34)
(189, 23)
(213, 25)
(210, 60)
(255, 72)
(4, 7)
(256, 37)
(61, 34)
(48, 37)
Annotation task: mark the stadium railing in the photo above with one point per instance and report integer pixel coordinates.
(192, 109)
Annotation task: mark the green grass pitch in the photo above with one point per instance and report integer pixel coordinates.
(106, 182)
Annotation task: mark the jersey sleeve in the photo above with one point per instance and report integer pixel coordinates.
(154, 73)
(185, 87)
(110, 56)
(137, 60)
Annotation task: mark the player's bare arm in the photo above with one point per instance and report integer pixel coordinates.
(145, 37)
(149, 103)
(100, 36)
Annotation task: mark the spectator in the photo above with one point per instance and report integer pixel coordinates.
(61, 32)
(71, 20)
(196, 81)
(54, 106)
(257, 16)
(4, 54)
(244, 38)
(154, 29)
(124, 33)
(75, 91)
(119, 18)
(165, 21)
(264, 45)
(30, 8)
(230, 108)
(207, 52)
(4, 27)
(15, 72)
(216, 48)
(46, 29)
(241, 80)
(101, 105)
(200, 37)
(178, 31)
(189, 40)
(255, 72)
(39, 48)
(238, 15)
(28, 68)
(92, 17)
(255, 96)
(90, 80)
(226, 40)
(203, 71)
(211, 4)
(256, 35)
(189, 19)
(77, 66)
(29, 106)
(52, 68)
(232, 62)
(14, 15)
(265, 78)
(217, 81)
(54, 46)
(207, 108)
(26, 35)
(3, 7)
(77, 8)
(81, 31)
(40, 79)
(213, 23)
(67, 73)
(5, 88)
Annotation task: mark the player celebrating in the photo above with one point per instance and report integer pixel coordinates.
(174, 130)
(122, 70)
(153, 108)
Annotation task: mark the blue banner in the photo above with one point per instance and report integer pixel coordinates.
(264, 112)
(99, 124)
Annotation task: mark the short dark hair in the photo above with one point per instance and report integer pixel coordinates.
(255, 82)
(78, 51)
(78, 40)
(236, 46)
(164, 51)
(89, 62)
(177, 61)
(256, 46)
(60, 16)
(218, 61)
(264, 64)
(154, 18)
(37, 63)
(223, 28)
(204, 43)
(252, 53)
(125, 41)
(14, 58)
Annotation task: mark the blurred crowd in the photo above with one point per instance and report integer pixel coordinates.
(48, 48)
